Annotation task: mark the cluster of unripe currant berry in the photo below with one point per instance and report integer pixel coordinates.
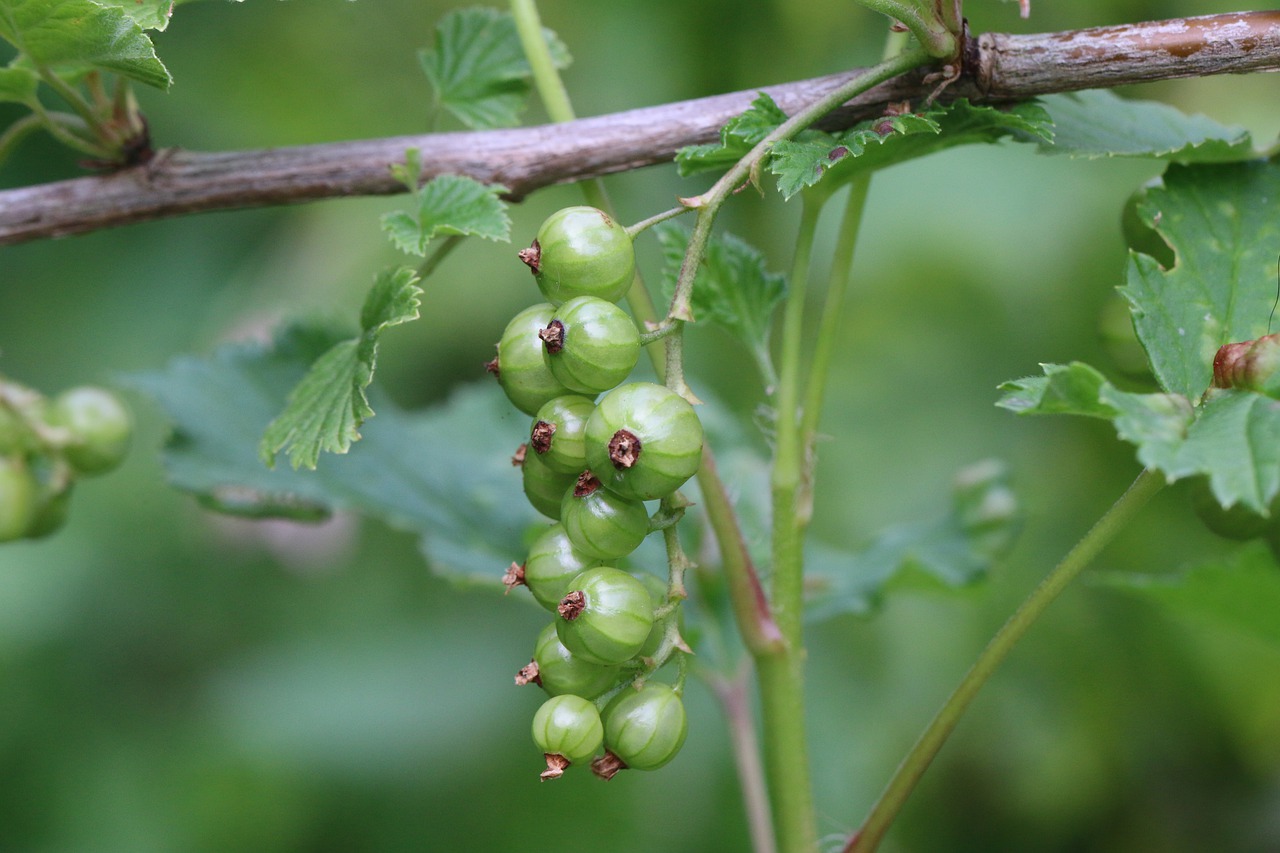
(45, 445)
(597, 450)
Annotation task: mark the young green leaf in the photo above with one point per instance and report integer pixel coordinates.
(325, 410)
(733, 288)
(1223, 224)
(739, 135)
(71, 35)
(444, 474)
(805, 160)
(478, 68)
(949, 552)
(449, 205)
(874, 144)
(1233, 437)
(1240, 590)
(1099, 123)
(1065, 389)
(18, 85)
(148, 14)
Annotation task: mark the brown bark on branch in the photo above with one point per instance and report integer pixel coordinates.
(997, 67)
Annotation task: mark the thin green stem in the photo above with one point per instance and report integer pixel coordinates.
(645, 224)
(77, 103)
(736, 703)
(16, 132)
(555, 99)
(437, 256)
(828, 335)
(931, 740)
(782, 673)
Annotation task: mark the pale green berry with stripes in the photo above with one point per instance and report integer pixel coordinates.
(559, 672)
(552, 563)
(544, 488)
(601, 524)
(643, 730)
(521, 366)
(606, 616)
(591, 345)
(557, 435)
(644, 441)
(581, 251)
(568, 731)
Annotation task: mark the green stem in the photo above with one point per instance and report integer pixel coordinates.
(645, 224)
(736, 703)
(829, 334)
(438, 255)
(922, 754)
(782, 672)
(555, 99)
(935, 25)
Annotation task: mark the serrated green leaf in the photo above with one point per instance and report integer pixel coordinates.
(450, 205)
(733, 288)
(874, 144)
(1240, 590)
(478, 68)
(950, 552)
(1098, 123)
(1232, 437)
(738, 136)
(18, 85)
(1065, 389)
(960, 123)
(68, 35)
(148, 14)
(325, 411)
(1223, 224)
(444, 474)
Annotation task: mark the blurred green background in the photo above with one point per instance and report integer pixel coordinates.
(176, 681)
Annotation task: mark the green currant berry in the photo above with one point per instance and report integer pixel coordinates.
(600, 524)
(643, 730)
(521, 366)
(591, 345)
(552, 563)
(581, 251)
(567, 729)
(606, 616)
(560, 672)
(51, 512)
(19, 496)
(557, 433)
(643, 441)
(544, 488)
(99, 426)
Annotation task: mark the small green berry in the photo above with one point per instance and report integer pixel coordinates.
(643, 441)
(557, 432)
(552, 563)
(99, 427)
(591, 345)
(581, 251)
(567, 729)
(601, 524)
(558, 671)
(643, 730)
(606, 616)
(544, 488)
(521, 366)
(19, 497)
